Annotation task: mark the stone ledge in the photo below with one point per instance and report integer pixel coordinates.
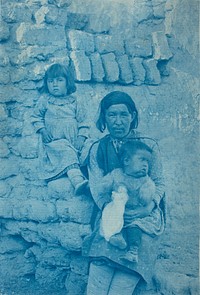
(80, 40)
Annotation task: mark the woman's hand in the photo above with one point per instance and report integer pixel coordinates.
(80, 142)
(139, 212)
(46, 136)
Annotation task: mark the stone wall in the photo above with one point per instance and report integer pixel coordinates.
(139, 47)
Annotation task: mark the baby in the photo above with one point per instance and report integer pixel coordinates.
(132, 184)
(60, 119)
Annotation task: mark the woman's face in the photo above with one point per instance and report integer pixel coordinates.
(118, 120)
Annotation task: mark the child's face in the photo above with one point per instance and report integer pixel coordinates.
(138, 164)
(57, 86)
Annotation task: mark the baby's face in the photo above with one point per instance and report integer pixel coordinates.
(138, 165)
(57, 86)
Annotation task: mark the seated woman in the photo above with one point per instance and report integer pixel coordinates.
(109, 274)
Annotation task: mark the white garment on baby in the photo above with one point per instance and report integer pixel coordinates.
(112, 220)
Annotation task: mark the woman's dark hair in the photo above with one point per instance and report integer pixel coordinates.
(113, 98)
(130, 147)
(58, 70)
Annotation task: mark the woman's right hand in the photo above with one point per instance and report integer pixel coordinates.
(46, 136)
(140, 212)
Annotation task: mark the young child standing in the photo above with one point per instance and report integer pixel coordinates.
(131, 179)
(60, 119)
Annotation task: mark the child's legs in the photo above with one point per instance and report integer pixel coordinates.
(123, 283)
(100, 277)
(134, 236)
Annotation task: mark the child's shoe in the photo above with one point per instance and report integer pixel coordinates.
(81, 188)
(131, 255)
(118, 241)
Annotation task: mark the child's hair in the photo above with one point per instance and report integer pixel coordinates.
(58, 70)
(130, 147)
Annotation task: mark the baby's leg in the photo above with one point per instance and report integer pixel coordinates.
(134, 236)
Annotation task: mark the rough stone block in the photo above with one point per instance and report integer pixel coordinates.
(73, 287)
(4, 60)
(50, 277)
(111, 67)
(77, 209)
(172, 283)
(18, 74)
(4, 150)
(16, 12)
(5, 75)
(3, 114)
(40, 35)
(161, 47)
(5, 208)
(53, 256)
(15, 266)
(152, 72)
(76, 21)
(34, 210)
(9, 167)
(82, 66)
(138, 70)
(109, 43)
(9, 244)
(159, 8)
(11, 93)
(142, 10)
(5, 189)
(28, 230)
(40, 14)
(62, 3)
(79, 264)
(4, 31)
(79, 40)
(68, 234)
(98, 23)
(28, 147)
(51, 15)
(97, 67)
(36, 53)
(126, 75)
(139, 47)
(60, 189)
(56, 16)
(11, 127)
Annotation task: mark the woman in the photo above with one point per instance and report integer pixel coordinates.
(109, 274)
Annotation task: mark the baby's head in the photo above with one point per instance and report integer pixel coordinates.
(58, 80)
(136, 158)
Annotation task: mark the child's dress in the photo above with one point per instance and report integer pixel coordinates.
(65, 119)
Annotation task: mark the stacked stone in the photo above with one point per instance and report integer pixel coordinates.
(42, 226)
(109, 59)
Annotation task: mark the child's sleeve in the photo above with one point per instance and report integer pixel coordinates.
(37, 117)
(82, 119)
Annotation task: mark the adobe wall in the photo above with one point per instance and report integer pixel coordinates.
(147, 48)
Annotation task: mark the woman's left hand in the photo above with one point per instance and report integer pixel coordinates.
(80, 142)
(139, 212)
